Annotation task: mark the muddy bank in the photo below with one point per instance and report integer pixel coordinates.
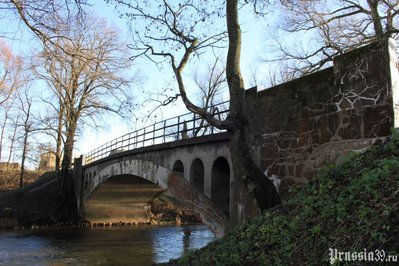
(165, 210)
(162, 211)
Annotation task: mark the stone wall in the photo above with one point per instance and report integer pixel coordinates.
(298, 127)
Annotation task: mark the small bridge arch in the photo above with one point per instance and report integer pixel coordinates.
(121, 199)
(197, 174)
(220, 184)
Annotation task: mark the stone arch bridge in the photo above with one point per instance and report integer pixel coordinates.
(183, 158)
(294, 129)
(197, 172)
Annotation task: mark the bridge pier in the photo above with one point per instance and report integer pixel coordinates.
(207, 180)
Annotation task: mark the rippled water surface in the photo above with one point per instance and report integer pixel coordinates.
(141, 245)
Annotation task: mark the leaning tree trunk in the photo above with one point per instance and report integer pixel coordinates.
(244, 166)
(249, 172)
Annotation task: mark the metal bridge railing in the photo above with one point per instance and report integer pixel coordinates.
(184, 126)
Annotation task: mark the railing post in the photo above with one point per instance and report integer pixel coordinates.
(153, 135)
(193, 125)
(128, 141)
(144, 137)
(178, 128)
(164, 131)
(136, 139)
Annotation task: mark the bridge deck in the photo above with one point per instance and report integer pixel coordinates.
(178, 128)
(216, 137)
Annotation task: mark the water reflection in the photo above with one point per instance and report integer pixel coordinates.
(142, 245)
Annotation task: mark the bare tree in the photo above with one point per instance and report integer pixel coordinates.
(210, 87)
(12, 82)
(55, 129)
(53, 120)
(211, 83)
(7, 113)
(25, 101)
(13, 138)
(332, 28)
(86, 76)
(176, 32)
(40, 16)
(11, 69)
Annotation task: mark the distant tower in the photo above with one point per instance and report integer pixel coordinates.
(47, 161)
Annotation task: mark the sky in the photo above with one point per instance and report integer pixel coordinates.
(253, 46)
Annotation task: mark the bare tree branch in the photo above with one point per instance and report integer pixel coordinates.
(335, 27)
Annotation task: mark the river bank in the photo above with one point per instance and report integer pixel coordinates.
(9, 184)
(34, 204)
(38, 203)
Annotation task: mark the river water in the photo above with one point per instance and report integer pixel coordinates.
(135, 245)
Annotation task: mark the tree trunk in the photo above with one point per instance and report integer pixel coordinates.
(59, 138)
(24, 151)
(244, 166)
(68, 154)
(2, 133)
(378, 28)
(12, 141)
(233, 68)
(68, 212)
(262, 189)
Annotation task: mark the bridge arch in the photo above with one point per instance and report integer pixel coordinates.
(220, 184)
(178, 167)
(175, 186)
(121, 198)
(197, 174)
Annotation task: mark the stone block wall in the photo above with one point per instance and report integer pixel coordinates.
(298, 127)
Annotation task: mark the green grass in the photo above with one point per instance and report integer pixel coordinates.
(350, 207)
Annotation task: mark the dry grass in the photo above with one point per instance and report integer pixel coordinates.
(9, 179)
